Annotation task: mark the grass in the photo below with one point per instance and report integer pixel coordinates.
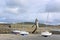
(26, 27)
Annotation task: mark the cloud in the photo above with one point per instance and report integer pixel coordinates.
(12, 10)
(29, 10)
(53, 6)
(17, 3)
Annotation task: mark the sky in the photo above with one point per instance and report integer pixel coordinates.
(28, 10)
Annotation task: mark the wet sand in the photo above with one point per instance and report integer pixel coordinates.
(29, 37)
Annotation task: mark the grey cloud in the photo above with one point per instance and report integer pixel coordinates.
(53, 6)
(13, 3)
(31, 11)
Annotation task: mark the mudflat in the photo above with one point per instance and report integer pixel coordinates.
(28, 37)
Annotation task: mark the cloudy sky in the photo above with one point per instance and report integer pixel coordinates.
(29, 10)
